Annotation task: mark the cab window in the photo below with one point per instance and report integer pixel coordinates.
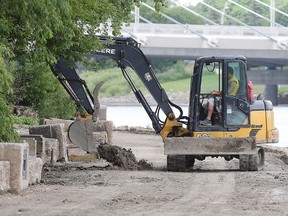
(239, 73)
(237, 94)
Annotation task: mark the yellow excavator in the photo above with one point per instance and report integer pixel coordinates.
(237, 126)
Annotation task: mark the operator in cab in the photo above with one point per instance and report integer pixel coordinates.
(233, 86)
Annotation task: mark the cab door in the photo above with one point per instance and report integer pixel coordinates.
(236, 105)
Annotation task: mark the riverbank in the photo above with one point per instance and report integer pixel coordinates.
(179, 98)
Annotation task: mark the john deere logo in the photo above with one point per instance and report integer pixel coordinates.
(148, 76)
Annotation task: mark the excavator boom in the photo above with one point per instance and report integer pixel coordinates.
(127, 53)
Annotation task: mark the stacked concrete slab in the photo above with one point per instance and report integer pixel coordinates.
(53, 121)
(36, 144)
(35, 157)
(4, 176)
(16, 154)
(54, 131)
(51, 150)
(21, 163)
(102, 132)
(35, 165)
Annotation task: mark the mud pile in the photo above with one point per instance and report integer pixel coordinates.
(122, 158)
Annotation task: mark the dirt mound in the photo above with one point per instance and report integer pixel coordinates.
(122, 157)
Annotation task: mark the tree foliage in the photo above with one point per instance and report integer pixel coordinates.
(243, 15)
(176, 12)
(7, 133)
(47, 30)
(35, 86)
(281, 5)
(36, 33)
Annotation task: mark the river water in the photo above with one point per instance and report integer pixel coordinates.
(136, 116)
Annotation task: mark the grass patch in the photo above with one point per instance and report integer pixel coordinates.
(114, 82)
(25, 120)
(116, 85)
(182, 85)
(283, 89)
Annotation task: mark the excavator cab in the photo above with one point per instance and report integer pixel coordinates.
(231, 110)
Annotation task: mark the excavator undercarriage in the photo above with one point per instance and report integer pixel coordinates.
(182, 152)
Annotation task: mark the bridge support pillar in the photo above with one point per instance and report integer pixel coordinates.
(271, 93)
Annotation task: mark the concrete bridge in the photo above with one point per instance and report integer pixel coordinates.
(264, 47)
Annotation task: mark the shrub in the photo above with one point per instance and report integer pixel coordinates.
(7, 132)
(36, 86)
(24, 120)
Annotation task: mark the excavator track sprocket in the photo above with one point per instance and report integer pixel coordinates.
(180, 163)
(252, 162)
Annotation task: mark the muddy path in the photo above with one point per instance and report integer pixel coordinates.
(213, 187)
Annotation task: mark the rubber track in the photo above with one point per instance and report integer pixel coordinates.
(179, 163)
(248, 162)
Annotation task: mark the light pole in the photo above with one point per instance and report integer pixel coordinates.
(223, 12)
(136, 16)
(272, 13)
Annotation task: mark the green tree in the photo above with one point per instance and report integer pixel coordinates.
(176, 12)
(47, 30)
(39, 32)
(242, 14)
(35, 86)
(209, 13)
(281, 5)
(7, 132)
(246, 16)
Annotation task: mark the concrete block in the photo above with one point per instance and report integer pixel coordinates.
(4, 176)
(40, 140)
(52, 150)
(32, 142)
(102, 115)
(100, 137)
(17, 155)
(52, 121)
(53, 131)
(106, 126)
(77, 154)
(35, 165)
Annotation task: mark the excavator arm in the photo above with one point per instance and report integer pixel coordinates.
(74, 85)
(127, 53)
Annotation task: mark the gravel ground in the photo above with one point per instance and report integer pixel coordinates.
(213, 187)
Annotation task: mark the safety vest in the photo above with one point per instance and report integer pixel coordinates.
(236, 87)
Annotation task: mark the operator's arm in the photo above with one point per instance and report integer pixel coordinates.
(216, 93)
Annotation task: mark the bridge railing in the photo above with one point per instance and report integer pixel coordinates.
(147, 28)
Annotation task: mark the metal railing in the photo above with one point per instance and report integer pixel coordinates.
(174, 29)
(275, 32)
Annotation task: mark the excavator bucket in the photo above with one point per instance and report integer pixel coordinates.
(80, 133)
